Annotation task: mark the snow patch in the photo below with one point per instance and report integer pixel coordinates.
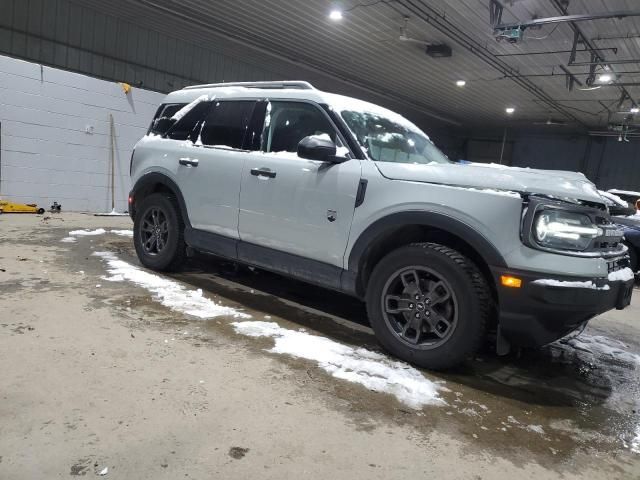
(613, 198)
(493, 191)
(112, 213)
(358, 365)
(623, 275)
(601, 346)
(560, 283)
(98, 231)
(615, 191)
(187, 108)
(170, 293)
(635, 443)
(535, 428)
(122, 233)
(504, 193)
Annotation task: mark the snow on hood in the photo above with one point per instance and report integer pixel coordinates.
(556, 183)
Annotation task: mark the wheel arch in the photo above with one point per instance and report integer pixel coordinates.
(155, 182)
(403, 228)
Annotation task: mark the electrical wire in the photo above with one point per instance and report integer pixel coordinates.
(545, 37)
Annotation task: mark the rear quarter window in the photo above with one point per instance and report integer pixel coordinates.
(166, 110)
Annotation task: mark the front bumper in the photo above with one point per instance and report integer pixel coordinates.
(537, 313)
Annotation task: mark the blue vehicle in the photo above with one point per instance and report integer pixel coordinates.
(631, 228)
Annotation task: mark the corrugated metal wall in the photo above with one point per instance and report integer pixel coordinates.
(605, 161)
(70, 36)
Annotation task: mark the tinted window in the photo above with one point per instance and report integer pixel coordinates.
(188, 126)
(226, 125)
(286, 123)
(165, 111)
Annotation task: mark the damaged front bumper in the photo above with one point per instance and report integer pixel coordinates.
(548, 307)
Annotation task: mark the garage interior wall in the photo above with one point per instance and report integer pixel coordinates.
(56, 141)
(606, 161)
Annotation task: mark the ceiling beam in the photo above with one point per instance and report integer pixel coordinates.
(423, 11)
(552, 52)
(538, 22)
(560, 6)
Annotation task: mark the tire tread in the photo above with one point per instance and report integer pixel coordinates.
(446, 358)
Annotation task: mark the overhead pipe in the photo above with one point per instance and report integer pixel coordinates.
(551, 52)
(605, 62)
(434, 18)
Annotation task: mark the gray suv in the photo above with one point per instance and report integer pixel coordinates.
(350, 196)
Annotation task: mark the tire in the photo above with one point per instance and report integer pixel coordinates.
(169, 253)
(440, 271)
(40, 211)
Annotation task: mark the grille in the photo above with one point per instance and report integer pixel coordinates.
(617, 265)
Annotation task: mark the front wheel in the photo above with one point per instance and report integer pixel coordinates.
(428, 305)
(158, 233)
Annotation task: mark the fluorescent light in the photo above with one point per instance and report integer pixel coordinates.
(635, 110)
(509, 110)
(335, 15)
(461, 83)
(604, 78)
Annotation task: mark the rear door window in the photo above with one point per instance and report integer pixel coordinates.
(227, 125)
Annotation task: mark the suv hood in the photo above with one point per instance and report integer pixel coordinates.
(560, 184)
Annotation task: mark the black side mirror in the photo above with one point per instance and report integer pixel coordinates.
(317, 147)
(163, 124)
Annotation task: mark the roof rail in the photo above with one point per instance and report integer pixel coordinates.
(266, 85)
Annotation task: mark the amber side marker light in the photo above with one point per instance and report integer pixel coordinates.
(512, 282)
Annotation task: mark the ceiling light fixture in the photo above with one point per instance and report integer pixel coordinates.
(335, 15)
(509, 110)
(604, 78)
(461, 83)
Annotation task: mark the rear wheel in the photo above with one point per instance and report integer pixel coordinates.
(428, 305)
(158, 233)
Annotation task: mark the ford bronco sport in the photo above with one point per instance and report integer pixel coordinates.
(350, 196)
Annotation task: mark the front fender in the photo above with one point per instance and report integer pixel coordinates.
(476, 240)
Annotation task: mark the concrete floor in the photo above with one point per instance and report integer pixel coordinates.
(97, 374)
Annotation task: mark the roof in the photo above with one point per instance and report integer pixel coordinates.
(284, 90)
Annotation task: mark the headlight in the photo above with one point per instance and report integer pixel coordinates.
(569, 229)
(564, 230)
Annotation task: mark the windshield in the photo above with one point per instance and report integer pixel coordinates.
(386, 140)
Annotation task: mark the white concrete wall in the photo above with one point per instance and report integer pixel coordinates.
(46, 154)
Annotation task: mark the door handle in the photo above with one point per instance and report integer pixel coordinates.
(263, 172)
(190, 162)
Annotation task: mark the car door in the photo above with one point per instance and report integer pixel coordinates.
(210, 167)
(293, 205)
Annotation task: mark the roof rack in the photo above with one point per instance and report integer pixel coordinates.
(266, 85)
